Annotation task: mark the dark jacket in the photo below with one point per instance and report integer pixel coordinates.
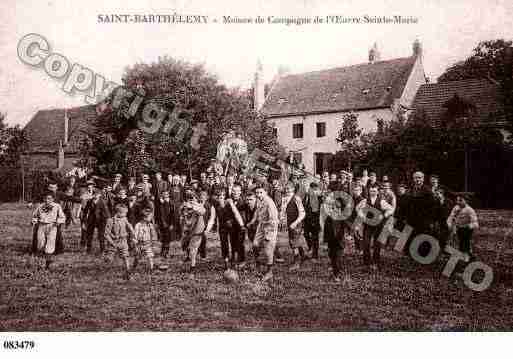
(96, 213)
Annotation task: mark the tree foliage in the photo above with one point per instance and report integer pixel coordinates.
(349, 138)
(117, 144)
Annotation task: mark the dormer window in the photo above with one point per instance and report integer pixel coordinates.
(389, 88)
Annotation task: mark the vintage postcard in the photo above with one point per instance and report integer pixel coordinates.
(293, 166)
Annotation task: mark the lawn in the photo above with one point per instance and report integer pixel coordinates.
(84, 293)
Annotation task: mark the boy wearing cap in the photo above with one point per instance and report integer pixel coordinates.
(118, 231)
(145, 235)
(48, 216)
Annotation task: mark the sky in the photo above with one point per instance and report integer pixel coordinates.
(447, 30)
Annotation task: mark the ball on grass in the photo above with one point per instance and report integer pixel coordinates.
(231, 276)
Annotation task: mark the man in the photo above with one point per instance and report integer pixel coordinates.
(95, 216)
(365, 178)
(276, 194)
(176, 194)
(371, 245)
(159, 186)
(167, 221)
(421, 209)
(109, 197)
(116, 184)
(267, 230)
(238, 229)
(183, 181)
(131, 186)
(146, 185)
(58, 198)
(230, 182)
(373, 181)
(204, 183)
(312, 227)
(84, 198)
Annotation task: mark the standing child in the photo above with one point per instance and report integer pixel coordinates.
(294, 213)
(193, 226)
(117, 233)
(145, 235)
(47, 217)
(463, 221)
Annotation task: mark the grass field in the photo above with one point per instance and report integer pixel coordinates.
(84, 293)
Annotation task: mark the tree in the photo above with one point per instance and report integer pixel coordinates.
(117, 144)
(488, 59)
(349, 139)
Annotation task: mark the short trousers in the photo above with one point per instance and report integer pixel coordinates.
(145, 249)
(266, 238)
(121, 248)
(296, 238)
(46, 235)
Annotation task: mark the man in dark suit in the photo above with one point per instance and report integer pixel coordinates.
(166, 221)
(95, 216)
(421, 209)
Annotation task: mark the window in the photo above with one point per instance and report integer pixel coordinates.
(321, 129)
(275, 132)
(297, 130)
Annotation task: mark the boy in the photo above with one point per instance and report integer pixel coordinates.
(334, 235)
(267, 230)
(371, 232)
(251, 220)
(145, 235)
(95, 216)
(47, 217)
(294, 214)
(463, 221)
(209, 218)
(117, 233)
(237, 235)
(356, 231)
(193, 227)
(225, 222)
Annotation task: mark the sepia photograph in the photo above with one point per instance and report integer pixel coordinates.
(294, 166)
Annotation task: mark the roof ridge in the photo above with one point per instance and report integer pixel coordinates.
(347, 67)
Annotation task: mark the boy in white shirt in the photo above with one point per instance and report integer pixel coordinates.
(463, 221)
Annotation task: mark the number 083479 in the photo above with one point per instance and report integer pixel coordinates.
(19, 344)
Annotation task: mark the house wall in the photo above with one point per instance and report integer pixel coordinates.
(416, 79)
(310, 143)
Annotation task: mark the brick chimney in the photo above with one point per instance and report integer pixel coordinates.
(374, 54)
(258, 88)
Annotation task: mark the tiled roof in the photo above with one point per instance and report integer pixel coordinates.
(484, 94)
(46, 128)
(357, 87)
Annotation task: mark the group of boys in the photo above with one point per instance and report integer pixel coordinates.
(131, 216)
